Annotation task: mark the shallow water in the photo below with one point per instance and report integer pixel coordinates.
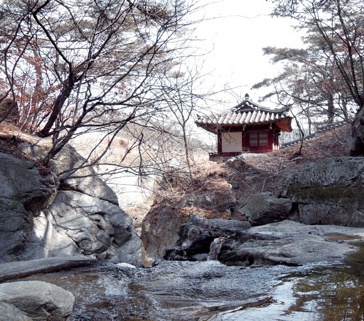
(333, 293)
(326, 295)
(211, 291)
(170, 291)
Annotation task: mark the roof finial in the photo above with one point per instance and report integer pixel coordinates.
(246, 96)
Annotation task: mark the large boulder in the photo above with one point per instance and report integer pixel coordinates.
(264, 208)
(38, 300)
(62, 212)
(84, 218)
(24, 191)
(329, 191)
(160, 230)
(79, 224)
(216, 195)
(77, 175)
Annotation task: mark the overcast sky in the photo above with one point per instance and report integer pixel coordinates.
(233, 34)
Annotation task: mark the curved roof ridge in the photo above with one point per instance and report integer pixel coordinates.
(248, 104)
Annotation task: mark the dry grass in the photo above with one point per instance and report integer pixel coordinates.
(248, 174)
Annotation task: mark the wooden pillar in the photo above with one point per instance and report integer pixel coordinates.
(219, 142)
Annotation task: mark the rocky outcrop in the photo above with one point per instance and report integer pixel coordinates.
(84, 218)
(68, 213)
(37, 299)
(198, 234)
(212, 198)
(160, 230)
(214, 195)
(285, 242)
(264, 208)
(24, 192)
(290, 243)
(79, 224)
(329, 191)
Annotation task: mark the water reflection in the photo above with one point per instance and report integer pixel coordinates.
(336, 293)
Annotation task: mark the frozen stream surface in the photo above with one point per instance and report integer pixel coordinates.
(182, 291)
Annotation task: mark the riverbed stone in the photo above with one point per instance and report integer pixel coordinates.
(329, 191)
(291, 243)
(39, 300)
(19, 269)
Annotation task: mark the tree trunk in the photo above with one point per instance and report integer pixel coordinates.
(57, 108)
(356, 142)
(330, 109)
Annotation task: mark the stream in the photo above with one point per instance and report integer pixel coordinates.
(212, 291)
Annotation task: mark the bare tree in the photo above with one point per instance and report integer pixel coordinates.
(88, 65)
(336, 29)
(181, 103)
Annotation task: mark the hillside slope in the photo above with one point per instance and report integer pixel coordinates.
(218, 190)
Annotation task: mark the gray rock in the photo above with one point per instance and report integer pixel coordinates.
(264, 208)
(329, 191)
(39, 300)
(77, 224)
(291, 243)
(197, 235)
(9, 312)
(24, 192)
(74, 172)
(161, 225)
(221, 226)
(212, 198)
(12, 270)
(84, 218)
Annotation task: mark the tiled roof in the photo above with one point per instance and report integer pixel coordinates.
(241, 118)
(246, 113)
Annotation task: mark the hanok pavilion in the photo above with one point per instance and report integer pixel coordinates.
(247, 127)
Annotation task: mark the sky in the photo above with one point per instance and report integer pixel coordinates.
(232, 35)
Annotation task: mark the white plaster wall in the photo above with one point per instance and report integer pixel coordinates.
(232, 142)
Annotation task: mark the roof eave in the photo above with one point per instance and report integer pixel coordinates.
(212, 128)
(284, 124)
